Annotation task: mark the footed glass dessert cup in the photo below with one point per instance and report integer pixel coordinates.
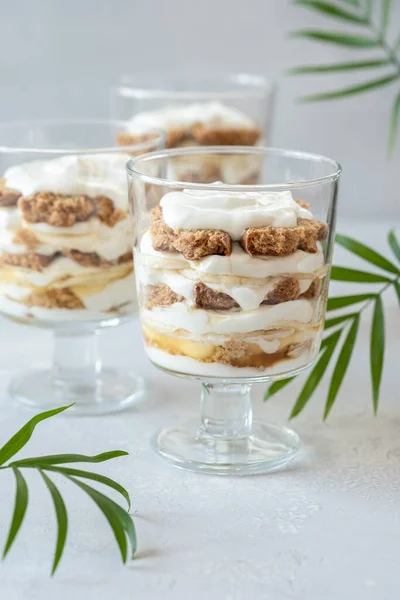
(232, 284)
(66, 254)
(199, 110)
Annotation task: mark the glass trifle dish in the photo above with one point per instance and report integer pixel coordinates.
(66, 254)
(200, 110)
(232, 283)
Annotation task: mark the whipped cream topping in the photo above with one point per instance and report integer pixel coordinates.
(208, 113)
(232, 212)
(91, 174)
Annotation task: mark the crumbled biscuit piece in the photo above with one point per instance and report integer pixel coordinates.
(127, 257)
(280, 241)
(86, 259)
(209, 299)
(197, 243)
(191, 243)
(54, 298)
(126, 139)
(130, 139)
(313, 231)
(8, 197)
(225, 136)
(107, 213)
(163, 236)
(303, 204)
(25, 237)
(231, 352)
(161, 295)
(313, 290)
(176, 136)
(92, 259)
(30, 260)
(287, 289)
(253, 179)
(173, 138)
(58, 210)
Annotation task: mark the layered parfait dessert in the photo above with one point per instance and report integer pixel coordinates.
(203, 124)
(231, 284)
(65, 239)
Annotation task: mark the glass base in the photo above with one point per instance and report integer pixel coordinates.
(267, 449)
(113, 390)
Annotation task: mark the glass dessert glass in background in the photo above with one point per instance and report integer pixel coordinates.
(232, 283)
(66, 254)
(197, 110)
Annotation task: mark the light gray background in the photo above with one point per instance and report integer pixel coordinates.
(83, 45)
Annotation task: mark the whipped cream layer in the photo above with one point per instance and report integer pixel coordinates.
(62, 272)
(49, 316)
(190, 366)
(233, 212)
(211, 114)
(90, 174)
(98, 292)
(239, 263)
(9, 218)
(199, 321)
(248, 295)
(108, 242)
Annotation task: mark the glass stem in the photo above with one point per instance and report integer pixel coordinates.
(76, 362)
(226, 411)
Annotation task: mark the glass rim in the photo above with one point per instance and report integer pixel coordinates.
(133, 163)
(147, 145)
(248, 84)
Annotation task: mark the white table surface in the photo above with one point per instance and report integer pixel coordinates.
(328, 527)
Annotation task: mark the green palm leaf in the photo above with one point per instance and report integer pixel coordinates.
(338, 38)
(397, 289)
(344, 274)
(119, 520)
(394, 124)
(341, 366)
(23, 436)
(394, 244)
(62, 519)
(343, 301)
(59, 459)
(366, 253)
(371, 39)
(333, 10)
(316, 374)
(350, 91)
(377, 349)
(368, 9)
(385, 16)
(337, 320)
(94, 477)
(20, 506)
(276, 387)
(345, 66)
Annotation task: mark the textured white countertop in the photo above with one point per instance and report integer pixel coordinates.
(328, 527)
